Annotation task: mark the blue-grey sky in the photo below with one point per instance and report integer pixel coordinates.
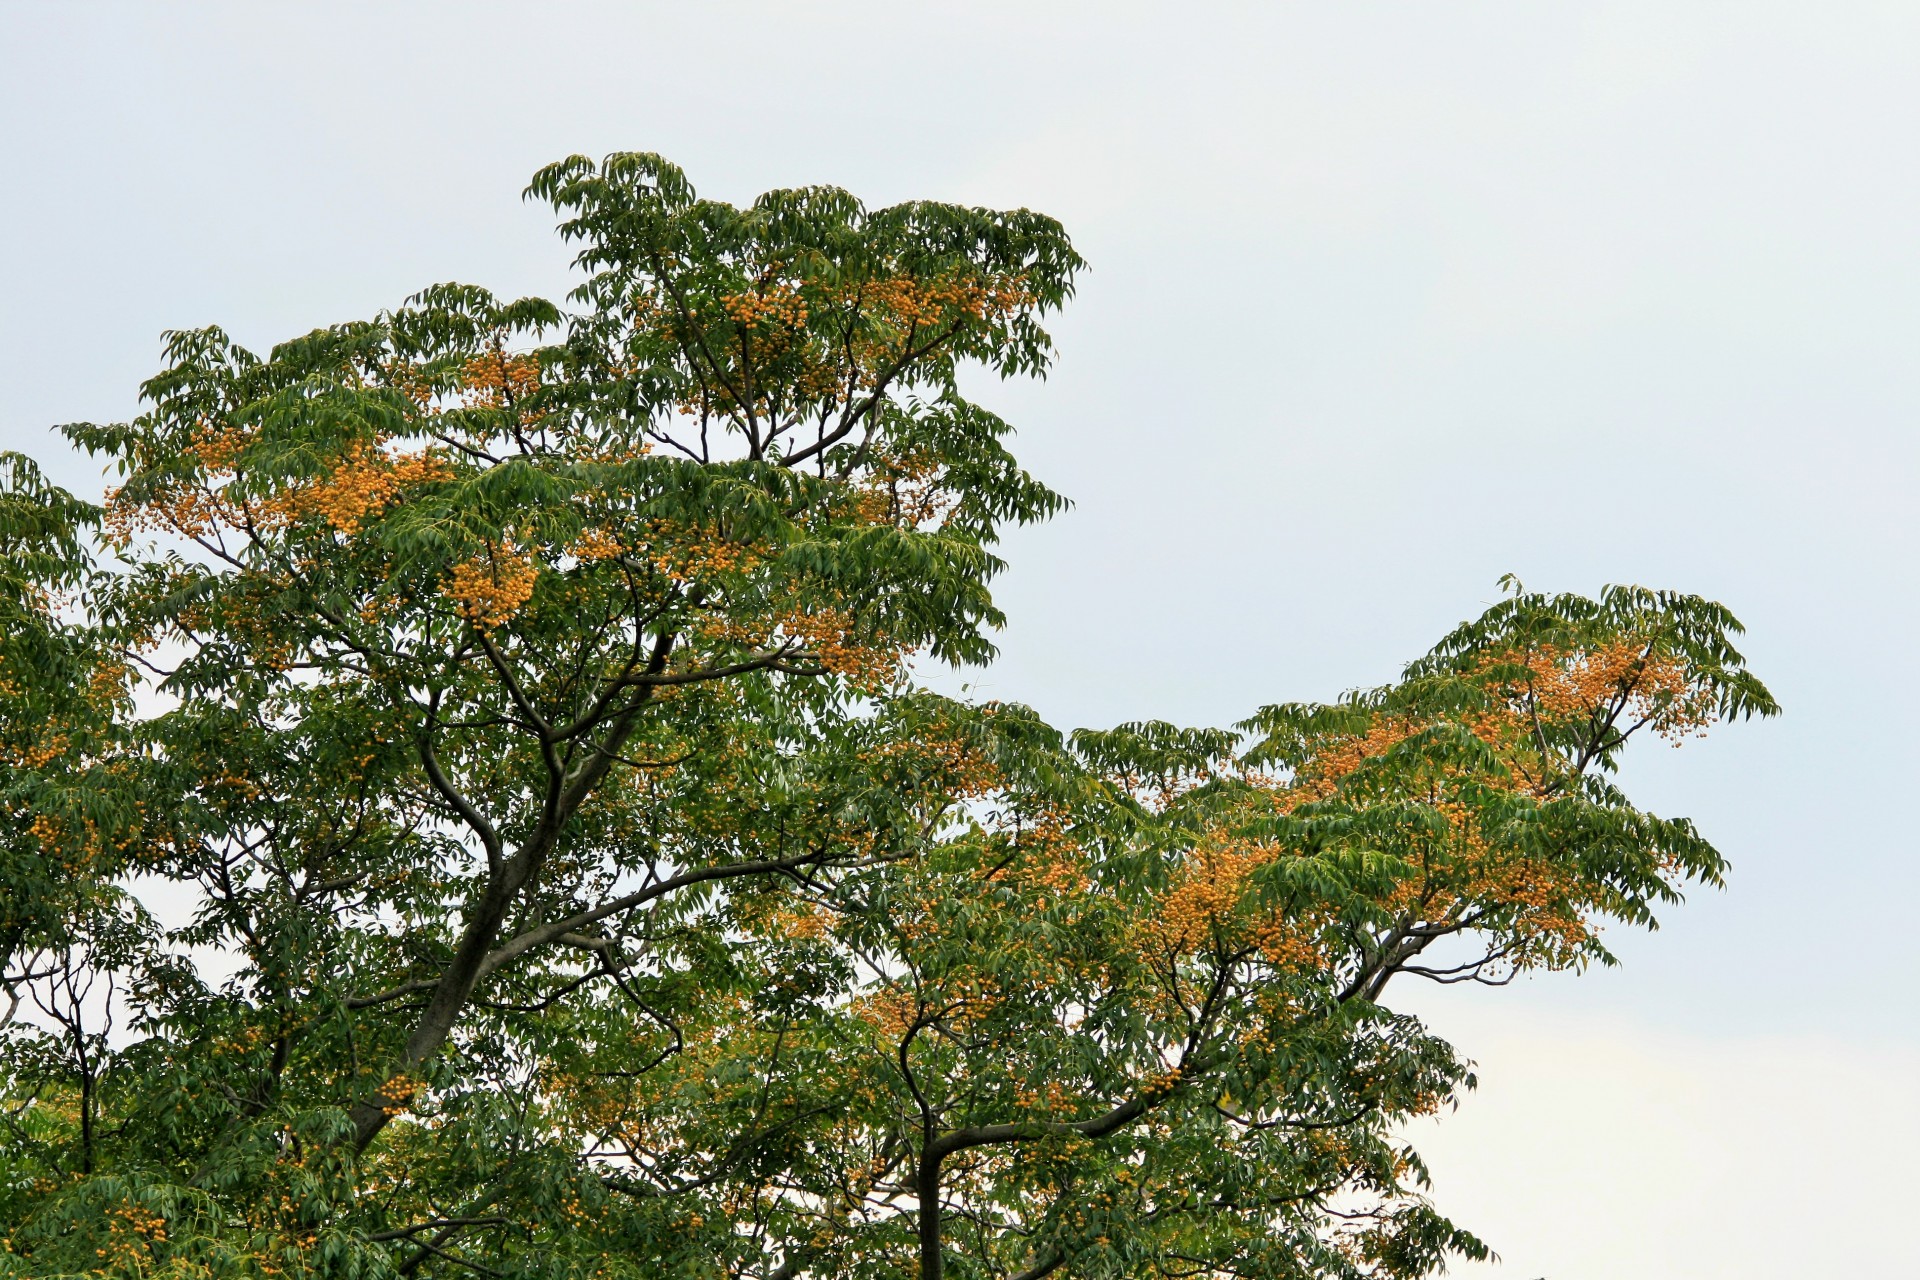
(1386, 300)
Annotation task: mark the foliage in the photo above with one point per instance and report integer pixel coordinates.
(579, 884)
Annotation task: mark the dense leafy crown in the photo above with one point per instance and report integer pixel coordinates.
(469, 811)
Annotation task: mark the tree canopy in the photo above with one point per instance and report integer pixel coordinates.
(470, 811)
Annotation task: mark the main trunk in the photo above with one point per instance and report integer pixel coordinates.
(927, 1189)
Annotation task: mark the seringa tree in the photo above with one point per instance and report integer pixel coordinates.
(580, 885)
(1126, 1018)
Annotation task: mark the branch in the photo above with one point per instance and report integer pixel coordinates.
(907, 356)
(429, 1247)
(555, 931)
(435, 1225)
(519, 696)
(391, 994)
(461, 805)
(1045, 1267)
(774, 659)
(1098, 1127)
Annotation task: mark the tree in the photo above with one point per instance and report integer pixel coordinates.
(583, 887)
(1127, 1019)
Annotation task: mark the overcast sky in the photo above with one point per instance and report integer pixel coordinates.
(1385, 301)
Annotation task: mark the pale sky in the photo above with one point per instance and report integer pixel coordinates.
(1385, 301)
